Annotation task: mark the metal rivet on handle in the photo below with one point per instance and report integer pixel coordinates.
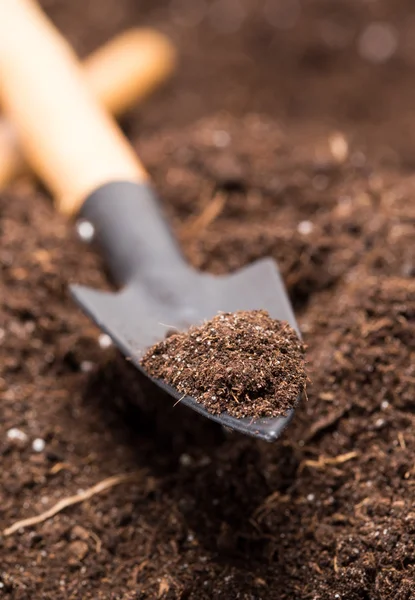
(85, 230)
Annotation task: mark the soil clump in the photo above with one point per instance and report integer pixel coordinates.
(245, 364)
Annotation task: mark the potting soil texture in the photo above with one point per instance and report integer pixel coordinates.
(293, 141)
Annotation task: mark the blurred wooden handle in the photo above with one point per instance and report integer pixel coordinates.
(67, 137)
(121, 73)
(129, 67)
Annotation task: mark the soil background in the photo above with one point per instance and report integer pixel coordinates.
(283, 134)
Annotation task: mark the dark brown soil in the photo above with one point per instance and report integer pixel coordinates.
(310, 160)
(245, 364)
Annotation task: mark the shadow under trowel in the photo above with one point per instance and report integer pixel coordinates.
(145, 414)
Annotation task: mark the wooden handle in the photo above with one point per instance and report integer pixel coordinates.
(129, 68)
(121, 73)
(12, 162)
(68, 138)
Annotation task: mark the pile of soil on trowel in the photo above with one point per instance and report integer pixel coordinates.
(245, 364)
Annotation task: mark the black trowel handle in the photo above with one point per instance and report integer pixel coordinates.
(71, 142)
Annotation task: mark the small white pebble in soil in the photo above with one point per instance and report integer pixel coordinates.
(305, 227)
(221, 138)
(85, 230)
(104, 341)
(379, 423)
(185, 460)
(87, 366)
(378, 42)
(338, 147)
(16, 434)
(310, 497)
(38, 445)
(384, 404)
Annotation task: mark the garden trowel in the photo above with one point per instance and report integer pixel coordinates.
(94, 174)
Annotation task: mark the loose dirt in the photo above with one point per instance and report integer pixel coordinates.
(245, 364)
(271, 141)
